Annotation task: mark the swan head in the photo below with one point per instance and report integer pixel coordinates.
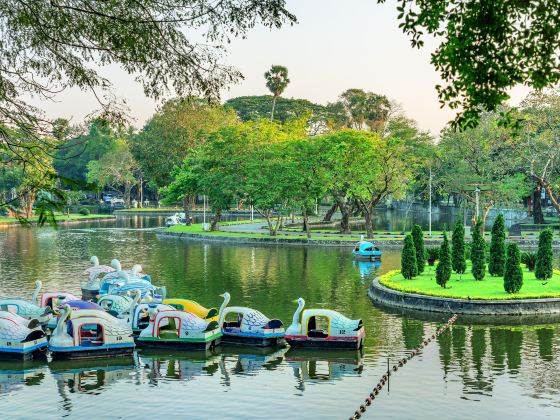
(225, 295)
(38, 284)
(94, 261)
(124, 276)
(136, 269)
(116, 264)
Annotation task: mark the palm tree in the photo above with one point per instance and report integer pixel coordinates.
(276, 82)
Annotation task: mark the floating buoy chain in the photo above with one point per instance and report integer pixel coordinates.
(385, 378)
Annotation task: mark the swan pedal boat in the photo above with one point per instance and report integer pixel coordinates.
(251, 327)
(209, 314)
(179, 330)
(341, 332)
(25, 308)
(90, 286)
(20, 338)
(90, 333)
(366, 250)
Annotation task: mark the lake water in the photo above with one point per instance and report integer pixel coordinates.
(475, 370)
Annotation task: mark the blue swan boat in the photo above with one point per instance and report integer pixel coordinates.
(250, 327)
(20, 338)
(366, 250)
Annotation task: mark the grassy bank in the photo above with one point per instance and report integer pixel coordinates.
(197, 228)
(466, 287)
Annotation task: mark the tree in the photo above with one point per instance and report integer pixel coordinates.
(418, 237)
(443, 268)
(468, 162)
(496, 265)
(116, 169)
(179, 127)
(486, 48)
(276, 81)
(458, 259)
(409, 266)
(543, 266)
(363, 110)
(513, 275)
(478, 252)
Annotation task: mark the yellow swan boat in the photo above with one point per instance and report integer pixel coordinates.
(196, 308)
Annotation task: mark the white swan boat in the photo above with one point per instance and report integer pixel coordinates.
(324, 328)
(249, 326)
(20, 338)
(90, 333)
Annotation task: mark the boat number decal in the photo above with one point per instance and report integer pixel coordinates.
(342, 332)
(186, 333)
(9, 343)
(119, 338)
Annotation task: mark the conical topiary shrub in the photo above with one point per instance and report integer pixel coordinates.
(543, 265)
(443, 269)
(478, 250)
(513, 276)
(409, 267)
(458, 258)
(496, 265)
(418, 238)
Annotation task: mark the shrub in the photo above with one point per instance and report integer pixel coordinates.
(458, 261)
(418, 238)
(543, 264)
(529, 259)
(84, 211)
(496, 265)
(443, 269)
(478, 249)
(409, 266)
(513, 276)
(432, 254)
(468, 249)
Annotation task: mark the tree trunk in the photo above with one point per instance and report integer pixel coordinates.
(538, 217)
(273, 106)
(140, 193)
(306, 224)
(127, 190)
(368, 218)
(330, 213)
(214, 225)
(485, 215)
(552, 197)
(345, 220)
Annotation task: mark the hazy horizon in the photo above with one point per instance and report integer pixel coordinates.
(334, 47)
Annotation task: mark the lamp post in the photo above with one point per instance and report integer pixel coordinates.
(430, 203)
(476, 199)
(204, 212)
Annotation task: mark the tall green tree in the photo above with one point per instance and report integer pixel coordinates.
(496, 265)
(543, 266)
(485, 48)
(513, 275)
(418, 237)
(478, 252)
(443, 268)
(178, 128)
(409, 266)
(276, 81)
(365, 110)
(458, 257)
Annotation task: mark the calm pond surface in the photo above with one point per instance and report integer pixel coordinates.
(472, 371)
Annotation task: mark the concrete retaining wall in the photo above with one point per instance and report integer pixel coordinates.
(379, 293)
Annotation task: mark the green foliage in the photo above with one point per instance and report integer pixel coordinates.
(486, 48)
(84, 211)
(418, 237)
(458, 256)
(529, 259)
(432, 255)
(478, 251)
(409, 266)
(513, 276)
(497, 261)
(178, 128)
(543, 264)
(443, 269)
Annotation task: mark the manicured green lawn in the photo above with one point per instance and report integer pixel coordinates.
(466, 286)
(59, 216)
(197, 228)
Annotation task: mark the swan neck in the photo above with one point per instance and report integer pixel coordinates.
(35, 298)
(223, 307)
(297, 313)
(62, 320)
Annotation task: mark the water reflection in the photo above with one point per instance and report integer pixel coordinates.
(367, 269)
(16, 375)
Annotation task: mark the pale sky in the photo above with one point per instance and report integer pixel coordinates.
(336, 45)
